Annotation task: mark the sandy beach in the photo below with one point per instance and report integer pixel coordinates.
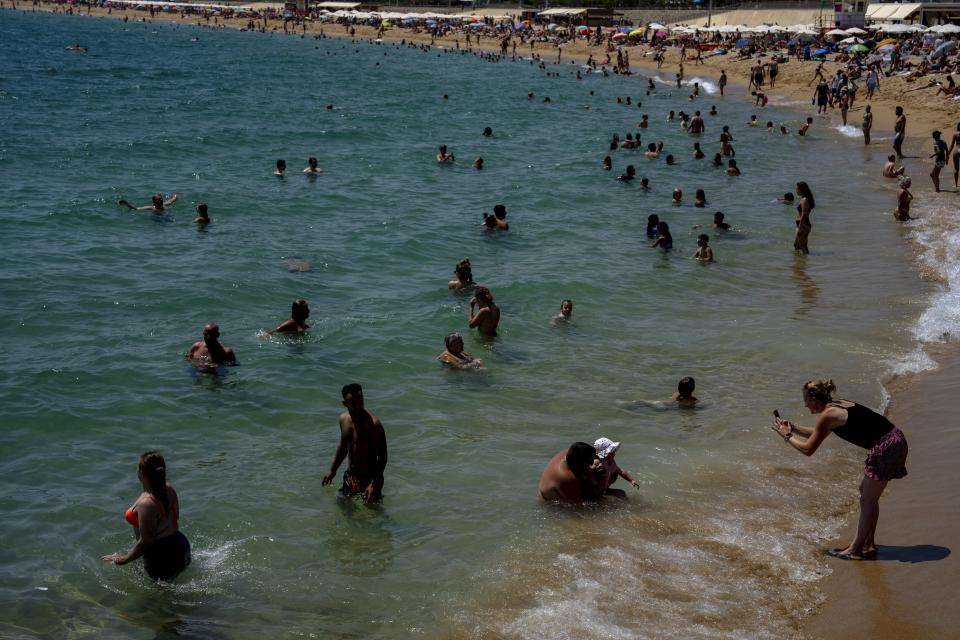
(908, 591)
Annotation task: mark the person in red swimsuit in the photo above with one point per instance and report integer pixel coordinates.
(155, 519)
(865, 428)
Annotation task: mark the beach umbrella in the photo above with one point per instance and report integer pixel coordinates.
(858, 48)
(885, 48)
(819, 52)
(855, 31)
(581, 27)
(552, 26)
(851, 40)
(661, 33)
(585, 31)
(636, 33)
(885, 42)
(656, 26)
(946, 47)
(620, 36)
(949, 28)
(625, 29)
(742, 42)
(835, 32)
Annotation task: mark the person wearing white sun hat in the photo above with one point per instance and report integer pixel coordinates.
(606, 466)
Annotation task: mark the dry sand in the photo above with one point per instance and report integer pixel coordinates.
(908, 593)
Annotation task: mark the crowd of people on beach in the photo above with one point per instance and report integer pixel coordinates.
(582, 472)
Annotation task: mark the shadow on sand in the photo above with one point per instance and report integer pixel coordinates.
(915, 553)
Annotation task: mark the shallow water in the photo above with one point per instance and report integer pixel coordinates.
(100, 304)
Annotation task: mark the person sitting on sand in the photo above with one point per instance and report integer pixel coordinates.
(683, 396)
(443, 156)
(203, 218)
(607, 469)
(158, 205)
(281, 167)
(664, 239)
(312, 166)
(703, 253)
(568, 476)
(904, 198)
(299, 312)
(464, 275)
(209, 351)
(630, 174)
(860, 426)
(890, 169)
(487, 317)
(455, 356)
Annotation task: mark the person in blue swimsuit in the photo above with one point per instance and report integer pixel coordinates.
(865, 428)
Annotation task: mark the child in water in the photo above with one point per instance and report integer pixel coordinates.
(607, 470)
(684, 394)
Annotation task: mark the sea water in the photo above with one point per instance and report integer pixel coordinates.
(724, 537)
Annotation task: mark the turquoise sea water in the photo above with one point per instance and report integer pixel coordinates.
(100, 303)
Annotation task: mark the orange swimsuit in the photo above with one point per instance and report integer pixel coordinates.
(131, 514)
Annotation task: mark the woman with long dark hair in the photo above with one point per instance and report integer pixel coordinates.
(154, 517)
(804, 208)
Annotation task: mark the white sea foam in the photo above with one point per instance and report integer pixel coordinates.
(849, 130)
(707, 86)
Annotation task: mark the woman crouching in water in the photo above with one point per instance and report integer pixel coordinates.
(154, 517)
(860, 426)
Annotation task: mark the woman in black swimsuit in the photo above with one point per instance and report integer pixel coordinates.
(860, 426)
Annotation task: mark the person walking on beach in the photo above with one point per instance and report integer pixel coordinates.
(155, 518)
(487, 317)
(939, 159)
(821, 96)
(364, 443)
(857, 425)
(867, 124)
(900, 132)
(209, 351)
(804, 208)
(569, 477)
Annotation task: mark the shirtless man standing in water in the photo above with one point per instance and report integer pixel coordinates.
(209, 351)
(900, 129)
(487, 316)
(364, 443)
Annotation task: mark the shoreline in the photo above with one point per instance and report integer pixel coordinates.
(907, 583)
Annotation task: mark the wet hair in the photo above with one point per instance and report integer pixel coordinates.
(820, 390)
(487, 131)
(631, 170)
(580, 456)
(718, 216)
(669, 159)
(664, 230)
(311, 161)
(351, 389)
(652, 221)
(644, 181)
(463, 270)
(717, 159)
(677, 195)
(704, 237)
(500, 211)
(696, 145)
(202, 209)
(731, 163)
(489, 221)
(652, 146)
(565, 301)
(769, 124)
(788, 196)
(686, 386)
(701, 195)
(281, 163)
(803, 190)
(153, 470)
(483, 293)
(299, 303)
(607, 161)
(892, 157)
(157, 200)
(450, 339)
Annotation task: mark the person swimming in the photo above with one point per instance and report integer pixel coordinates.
(684, 394)
(299, 312)
(664, 239)
(443, 156)
(630, 174)
(203, 218)
(677, 197)
(281, 167)
(455, 356)
(464, 273)
(652, 221)
(312, 167)
(157, 204)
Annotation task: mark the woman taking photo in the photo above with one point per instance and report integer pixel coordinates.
(154, 516)
(860, 426)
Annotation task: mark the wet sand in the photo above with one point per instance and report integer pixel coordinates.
(910, 590)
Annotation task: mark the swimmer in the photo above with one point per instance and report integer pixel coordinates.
(783, 131)
(651, 151)
(155, 517)
(443, 156)
(455, 356)
(700, 198)
(732, 169)
(717, 160)
(769, 126)
(299, 312)
(281, 167)
(312, 166)
(644, 121)
(500, 215)
(487, 317)
(653, 220)
(464, 273)
(676, 197)
(478, 163)
(209, 350)
(698, 153)
(890, 169)
(489, 222)
(568, 476)
(787, 198)
(487, 132)
(607, 163)
(718, 223)
(703, 253)
(802, 131)
(683, 396)
(630, 174)
(203, 218)
(158, 205)
(664, 239)
(607, 469)
(713, 110)
(566, 310)
(696, 123)
(669, 160)
(904, 198)
(645, 183)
